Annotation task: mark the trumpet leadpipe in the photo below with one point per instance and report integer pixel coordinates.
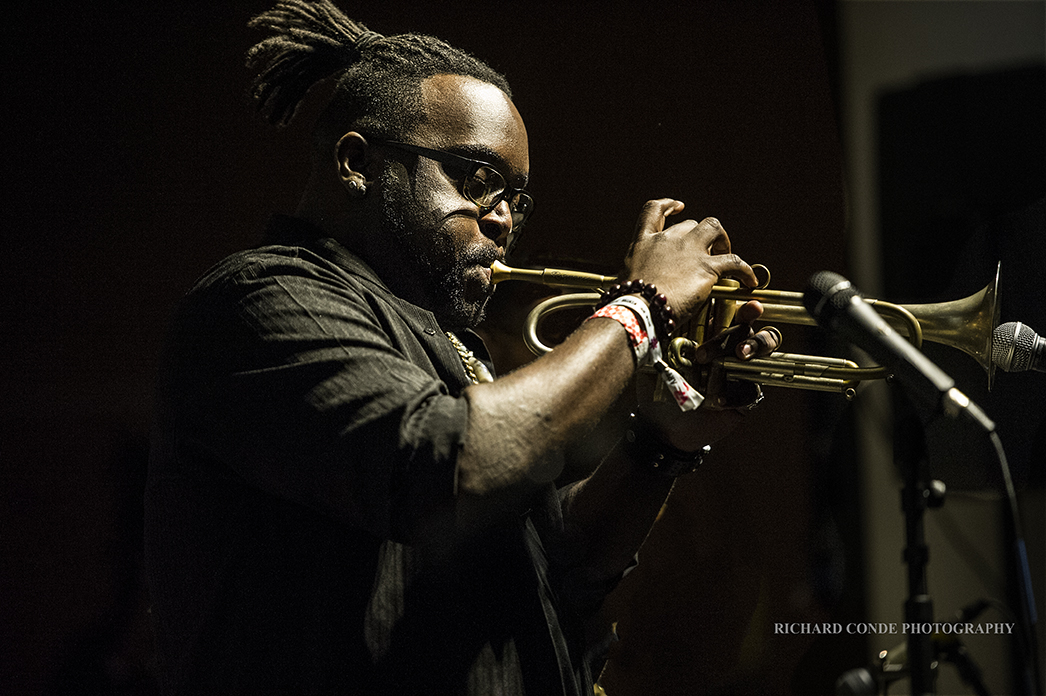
(553, 277)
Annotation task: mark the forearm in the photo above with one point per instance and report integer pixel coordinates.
(609, 514)
(517, 423)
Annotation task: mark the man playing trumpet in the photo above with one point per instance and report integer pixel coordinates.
(339, 501)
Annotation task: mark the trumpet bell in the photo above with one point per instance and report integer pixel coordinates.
(966, 324)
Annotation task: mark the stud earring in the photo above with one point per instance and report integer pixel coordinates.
(357, 188)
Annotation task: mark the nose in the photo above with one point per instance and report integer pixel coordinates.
(496, 223)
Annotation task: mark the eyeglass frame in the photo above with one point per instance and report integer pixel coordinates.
(471, 166)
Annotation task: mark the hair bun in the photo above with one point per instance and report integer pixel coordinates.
(309, 42)
(366, 39)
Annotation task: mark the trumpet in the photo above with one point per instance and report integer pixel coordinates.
(966, 324)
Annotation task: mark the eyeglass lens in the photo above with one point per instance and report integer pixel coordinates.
(485, 188)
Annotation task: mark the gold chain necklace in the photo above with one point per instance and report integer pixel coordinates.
(474, 368)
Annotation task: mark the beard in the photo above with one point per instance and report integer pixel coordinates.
(435, 268)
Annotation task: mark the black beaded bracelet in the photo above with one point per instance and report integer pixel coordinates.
(644, 447)
(660, 311)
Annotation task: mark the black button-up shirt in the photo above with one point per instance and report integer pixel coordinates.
(308, 425)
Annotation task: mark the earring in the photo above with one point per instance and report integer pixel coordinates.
(357, 188)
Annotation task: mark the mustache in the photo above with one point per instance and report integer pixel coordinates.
(481, 256)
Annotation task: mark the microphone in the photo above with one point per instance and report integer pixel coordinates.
(1016, 348)
(839, 307)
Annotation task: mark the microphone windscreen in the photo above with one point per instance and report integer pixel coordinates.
(1013, 345)
(827, 292)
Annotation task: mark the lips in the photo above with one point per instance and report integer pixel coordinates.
(481, 258)
(484, 261)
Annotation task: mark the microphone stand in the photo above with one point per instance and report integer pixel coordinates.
(893, 664)
(917, 495)
(956, 653)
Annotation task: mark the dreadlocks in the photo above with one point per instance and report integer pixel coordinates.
(378, 91)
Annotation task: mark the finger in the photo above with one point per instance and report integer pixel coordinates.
(723, 344)
(730, 265)
(733, 266)
(652, 216)
(748, 312)
(713, 236)
(721, 243)
(762, 343)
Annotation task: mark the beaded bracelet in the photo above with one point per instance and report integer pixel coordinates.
(643, 446)
(661, 312)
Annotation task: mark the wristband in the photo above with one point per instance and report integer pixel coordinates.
(686, 397)
(642, 311)
(646, 346)
(638, 336)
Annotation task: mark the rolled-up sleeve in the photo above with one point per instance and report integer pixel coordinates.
(310, 388)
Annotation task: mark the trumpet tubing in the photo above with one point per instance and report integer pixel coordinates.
(552, 277)
(966, 324)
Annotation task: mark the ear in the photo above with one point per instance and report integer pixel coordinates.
(351, 153)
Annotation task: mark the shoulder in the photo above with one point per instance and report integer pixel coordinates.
(289, 271)
(270, 262)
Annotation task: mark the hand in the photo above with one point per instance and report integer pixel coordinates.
(684, 260)
(741, 341)
(726, 402)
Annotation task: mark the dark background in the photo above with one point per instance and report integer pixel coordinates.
(135, 162)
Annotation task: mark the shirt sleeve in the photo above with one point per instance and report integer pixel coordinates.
(294, 378)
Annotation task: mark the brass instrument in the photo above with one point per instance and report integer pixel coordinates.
(966, 324)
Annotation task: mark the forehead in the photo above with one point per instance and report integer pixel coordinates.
(464, 113)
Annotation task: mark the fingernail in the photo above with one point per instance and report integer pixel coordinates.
(746, 350)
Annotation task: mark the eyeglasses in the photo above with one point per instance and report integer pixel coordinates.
(480, 182)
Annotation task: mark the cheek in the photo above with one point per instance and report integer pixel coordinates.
(437, 196)
(454, 223)
(454, 238)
